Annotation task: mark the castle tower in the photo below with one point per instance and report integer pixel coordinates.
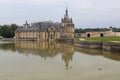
(67, 26)
(26, 25)
(111, 30)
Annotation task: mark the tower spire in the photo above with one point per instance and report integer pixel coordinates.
(66, 11)
(26, 22)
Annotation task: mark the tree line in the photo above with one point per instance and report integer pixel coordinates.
(8, 31)
(80, 30)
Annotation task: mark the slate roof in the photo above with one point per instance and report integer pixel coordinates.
(39, 26)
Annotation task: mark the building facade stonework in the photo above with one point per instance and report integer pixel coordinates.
(46, 30)
(98, 33)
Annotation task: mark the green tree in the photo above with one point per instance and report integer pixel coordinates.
(80, 30)
(8, 31)
(14, 26)
(5, 31)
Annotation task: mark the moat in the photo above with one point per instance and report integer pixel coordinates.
(32, 60)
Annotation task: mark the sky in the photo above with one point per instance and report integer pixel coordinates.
(85, 13)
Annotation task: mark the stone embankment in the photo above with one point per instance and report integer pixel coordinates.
(68, 41)
(7, 39)
(109, 46)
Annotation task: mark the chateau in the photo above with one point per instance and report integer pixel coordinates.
(46, 30)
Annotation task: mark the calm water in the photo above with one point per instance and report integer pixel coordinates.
(25, 60)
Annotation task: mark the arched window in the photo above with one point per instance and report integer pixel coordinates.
(101, 35)
(88, 35)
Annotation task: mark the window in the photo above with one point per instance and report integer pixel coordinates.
(101, 35)
(88, 35)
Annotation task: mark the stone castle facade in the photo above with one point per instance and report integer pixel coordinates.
(46, 30)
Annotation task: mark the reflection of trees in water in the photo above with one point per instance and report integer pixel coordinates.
(7, 46)
(113, 56)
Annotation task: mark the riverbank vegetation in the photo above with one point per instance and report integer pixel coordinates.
(104, 39)
(100, 39)
(8, 31)
(80, 30)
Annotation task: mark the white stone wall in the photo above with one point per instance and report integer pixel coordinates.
(98, 34)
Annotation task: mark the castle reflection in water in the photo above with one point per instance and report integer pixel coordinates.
(46, 49)
(52, 49)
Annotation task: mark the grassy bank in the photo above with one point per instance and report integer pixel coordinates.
(100, 39)
(104, 39)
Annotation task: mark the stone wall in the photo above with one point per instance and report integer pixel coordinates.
(109, 46)
(69, 41)
(117, 33)
(97, 34)
(115, 47)
(91, 45)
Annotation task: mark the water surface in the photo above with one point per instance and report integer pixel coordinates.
(32, 60)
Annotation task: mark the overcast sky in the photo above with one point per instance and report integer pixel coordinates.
(85, 13)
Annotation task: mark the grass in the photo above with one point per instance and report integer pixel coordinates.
(77, 39)
(104, 39)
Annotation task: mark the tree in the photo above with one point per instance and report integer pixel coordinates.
(4, 31)
(80, 30)
(14, 26)
(8, 31)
